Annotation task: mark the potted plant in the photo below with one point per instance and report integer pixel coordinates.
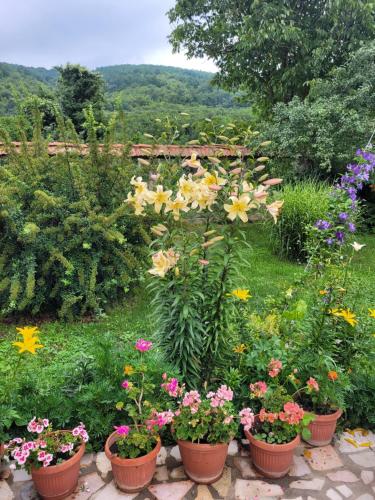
(52, 457)
(133, 449)
(203, 428)
(324, 397)
(277, 427)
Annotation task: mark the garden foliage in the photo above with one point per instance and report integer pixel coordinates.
(67, 243)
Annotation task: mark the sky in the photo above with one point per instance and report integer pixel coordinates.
(89, 32)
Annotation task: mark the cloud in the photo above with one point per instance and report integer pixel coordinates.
(90, 32)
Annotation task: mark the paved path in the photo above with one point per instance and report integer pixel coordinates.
(344, 470)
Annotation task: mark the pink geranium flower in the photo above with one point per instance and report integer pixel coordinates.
(312, 384)
(122, 430)
(143, 345)
(258, 389)
(274, 367)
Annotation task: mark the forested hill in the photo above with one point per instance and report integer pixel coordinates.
(135, 86)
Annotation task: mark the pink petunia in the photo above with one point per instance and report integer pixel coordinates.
(143, 345)
(125, 384)
(122, 430)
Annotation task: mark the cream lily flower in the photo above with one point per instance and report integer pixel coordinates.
(238, 208)
(160, 263)
(204, 198)
(141, 189)
(213, 178)
(274, 209)
(158, 197)
(137, 203)
(192, 162)
(357, 246)
(174, 206)
(187, 187)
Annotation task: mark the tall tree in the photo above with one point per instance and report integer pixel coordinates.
(78, 88)
(271, 49)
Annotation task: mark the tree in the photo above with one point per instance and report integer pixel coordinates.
(77, 89)
(317, 136)
(271, 49)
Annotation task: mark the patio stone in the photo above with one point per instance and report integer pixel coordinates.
(27, 492)
(20, 475)
(178, 473)
(344, 490)
(103, 464)
(365, 459)
(223, 484)
(244, 490)
(233, 448)
(5, 492)
(356, 441)
(299, 467)
(171, 491)
(245, 467)
(323, 458)
(366, 496)
(203, 493)
(162, 456)
(175, 453)
(333, 495)
(314, 484)
(87, 460)
(367, 476)
(87, 486)
(110, 492)
(343, 476)
(161, 473)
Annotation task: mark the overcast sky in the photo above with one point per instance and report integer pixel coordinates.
(90, 32)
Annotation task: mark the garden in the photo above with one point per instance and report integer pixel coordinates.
(187, 299)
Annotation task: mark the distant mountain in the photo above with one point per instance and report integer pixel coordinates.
(134, 86)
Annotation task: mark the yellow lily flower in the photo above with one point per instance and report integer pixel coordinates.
(28, 332)
(158, 197)
(349, 317)
(274, 209)
(241, 293)
(238, 208)
(371, 313)
(28, 345)
(174, 206)
(128, 370)
(240, 349)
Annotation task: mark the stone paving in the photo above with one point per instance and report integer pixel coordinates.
(344, 470)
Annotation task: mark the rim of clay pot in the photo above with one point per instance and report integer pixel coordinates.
(266, 446)
(129, 461)
(202, 446)
(327, 418)
(52, 469)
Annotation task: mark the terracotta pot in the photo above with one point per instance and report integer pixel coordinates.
(272, 460)
(2, 449)
(132, 474)
(58, 481)
(203, 463)
(323, 428)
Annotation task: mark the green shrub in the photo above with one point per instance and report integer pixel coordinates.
(304, 203)
(67, 240)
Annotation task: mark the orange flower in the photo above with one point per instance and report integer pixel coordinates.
(332, 375)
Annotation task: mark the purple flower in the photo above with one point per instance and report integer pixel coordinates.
(352, 227)
(343, 216)
(329, 241)
(322, 224)
(340, 236)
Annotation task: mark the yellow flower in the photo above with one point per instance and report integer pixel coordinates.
(349, 317)
(141, 189)
(137, 203)
(163, 262)
(240, 349)
(158, 197)
(371, 313)
(187, 187)
(241, 293)
(323, 292)
(238, 208)
(203, 197)
(128, 370)
(211, 178)
(192, 162)
(174, 206)
(274, 209)
(29, 340)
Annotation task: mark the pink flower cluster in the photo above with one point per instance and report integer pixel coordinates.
(125, 384)
(66, 448)
(46, 458)
(81, 431)
(220, 397)
(312, 384)
(171, 386)
(122, 430)
(274, 367)
(38, 426)
(21, 453)
(258, 389)
(159, 419)
(247, 418)
(193, 400)
(265, 416)
(292, 414)
(143, 345)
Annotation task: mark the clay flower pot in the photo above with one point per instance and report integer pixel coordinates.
(323, 428)
(58, 481)
(131, 474)
(203, 463)
(272, 460)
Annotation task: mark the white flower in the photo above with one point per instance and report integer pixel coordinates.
(357, 246)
